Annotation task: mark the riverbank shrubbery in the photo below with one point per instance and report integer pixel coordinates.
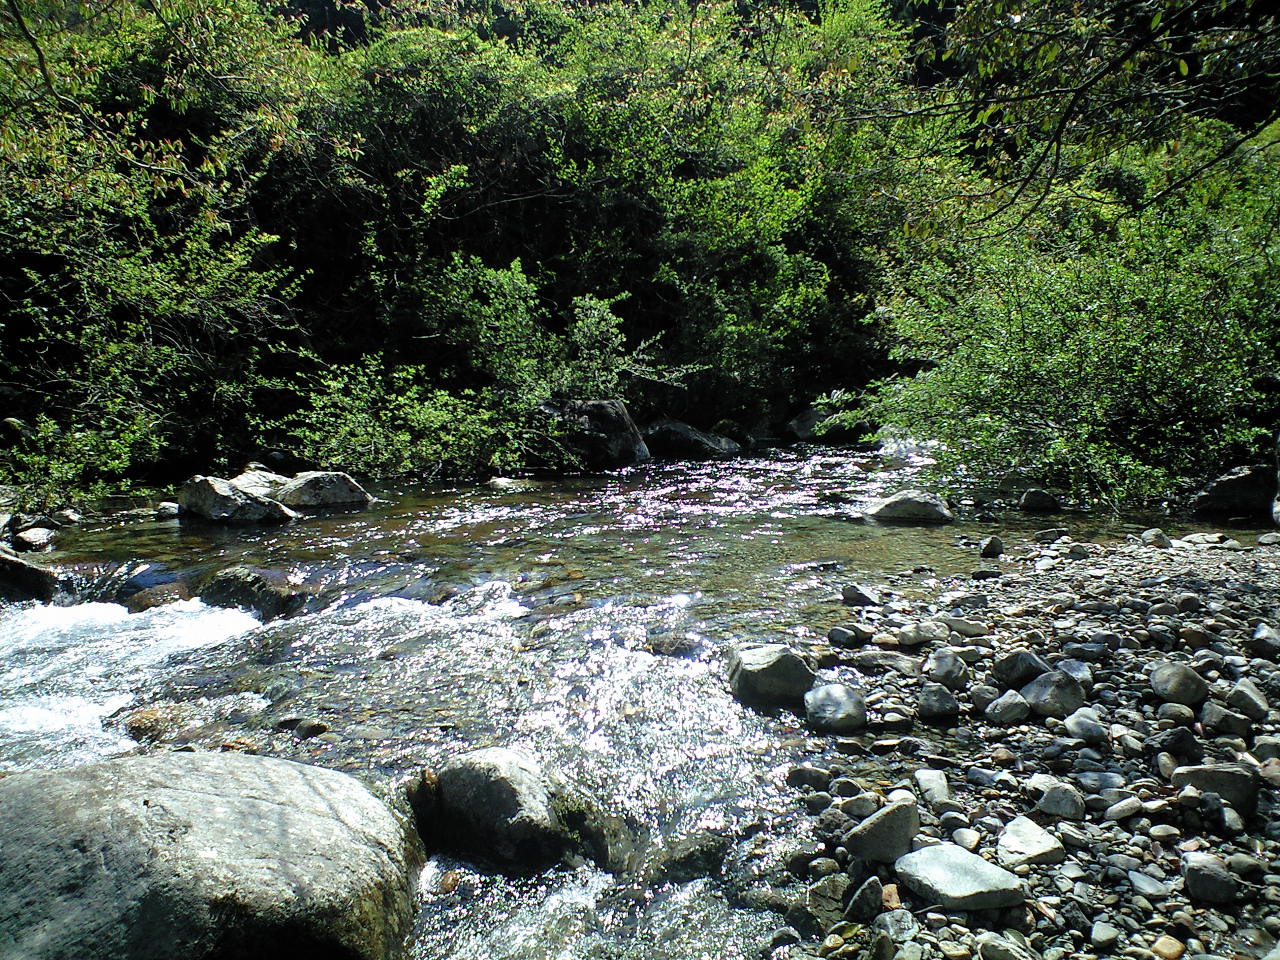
(385, 245)
(1113, 351)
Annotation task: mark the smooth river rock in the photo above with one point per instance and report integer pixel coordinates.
(323, 488)
(769, 673)
(835, 708)
(203, 856)
(912, 506)
(955, 879)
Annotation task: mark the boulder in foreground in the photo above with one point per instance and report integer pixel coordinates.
(201, 856)
(23, 580)
(912, 506)
(768, 674)
(600, 433)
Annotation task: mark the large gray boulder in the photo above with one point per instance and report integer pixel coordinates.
(213, 498)
(322, 488)
(600, 433)
(673, 440)
(23, 580)
(955, 879)
(201, 855)
(1245, 493)
(768, 674)
(270, 596)
(911, 506)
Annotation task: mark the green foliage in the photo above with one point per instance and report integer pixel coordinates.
(1112, 353)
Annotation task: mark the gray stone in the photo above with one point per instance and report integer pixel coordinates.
(955, 879)
(885, 835)
(1218, 719)
(821, 907)
(936, 704)
(992, 946)
(1178, 683)
(1036, 500)
(497, 803)
(835, 708)
(22, 579)
(867, 903)
(1060, 800)
(1207, 879)
(1145, 886)
(933, 786)
(1008, 708)
(856, 595)
(1084, 725)
(912, 506)
(990, 548)
(322, 488)
(1019, 667)
(600, 434)
(1248, 699)
(270, 596)
(212, 498)
(1055, 694)
(259, 482)
(1155, 537)
(1103, 936)
(1025, 841)
(1234, 782)
(674, 440)
(899, 924)
(205, 856)
(1243, 493)
(35, 539)
(770, 673)
(945, 666)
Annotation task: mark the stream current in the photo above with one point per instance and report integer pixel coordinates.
(584, 621)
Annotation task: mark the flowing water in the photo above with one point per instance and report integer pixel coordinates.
(584, 621)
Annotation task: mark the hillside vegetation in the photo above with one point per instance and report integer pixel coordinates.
(383, 237)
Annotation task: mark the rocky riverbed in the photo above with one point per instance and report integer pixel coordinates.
(1078, 753)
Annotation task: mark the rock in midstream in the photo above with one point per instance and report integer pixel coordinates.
(204, 856)
(770, 673)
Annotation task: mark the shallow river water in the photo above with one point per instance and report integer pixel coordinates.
(584, 621)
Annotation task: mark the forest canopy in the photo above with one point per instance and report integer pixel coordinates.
(383, 237)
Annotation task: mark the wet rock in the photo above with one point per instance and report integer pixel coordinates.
(770, 673)
(1009, 708)
(497, 803)
(673, 440)
(22, 579)
(1207, 879)
(1242, 493)
(1019, 667)
(1055, 694)
(1036, 500)
(316, 489)
(856, 595)
(821, 906)
(1249, 700)
(946, 667)
(1025, 841)
(1234, 782)
(212, 857)
(600, 433)
(35, 539)
(955, 879)
(912, 506)
(1178, 683)
(251, 589)
(885, 835)
(990, 548)
(213, 498)
(867, 902)
(159, 595)
(835, 708)
(936, 704)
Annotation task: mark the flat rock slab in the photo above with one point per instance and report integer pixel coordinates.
(955, 879)
(1025, 841)
(201, 856)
